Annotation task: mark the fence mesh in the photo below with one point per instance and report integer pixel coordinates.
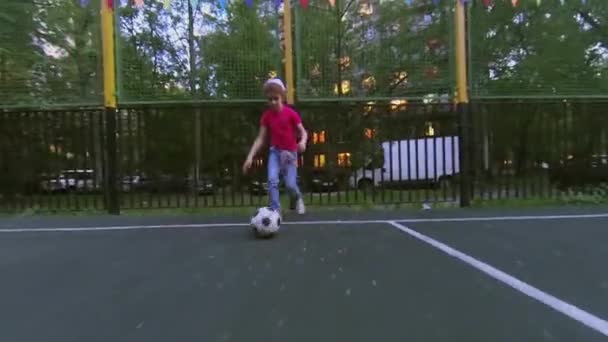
(185, 53)
(374, 49)
(50, 53)
(552, 49)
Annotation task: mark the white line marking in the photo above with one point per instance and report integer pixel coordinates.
(327, 222)
(178, 226)
(567, 309)
(505, 218)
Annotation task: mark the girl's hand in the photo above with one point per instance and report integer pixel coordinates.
(247, 165)
(301, 147)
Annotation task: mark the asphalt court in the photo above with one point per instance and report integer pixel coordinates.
(565, 257)
(317, 281)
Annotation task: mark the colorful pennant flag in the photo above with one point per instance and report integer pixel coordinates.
(514, 2)
(249, 3)
(304, 3)
(166, 4)
(488, 3)
(139, 3)
(84, 3)
(332, 3)
(110, 4)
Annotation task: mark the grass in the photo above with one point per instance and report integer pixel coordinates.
(227, 204)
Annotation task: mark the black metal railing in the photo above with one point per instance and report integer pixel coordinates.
(358, 153)
(52, 160)
(539, 149)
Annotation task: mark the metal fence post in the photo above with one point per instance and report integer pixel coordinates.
(465, 151)
(111, 179)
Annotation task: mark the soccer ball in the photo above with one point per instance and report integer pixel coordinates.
(266, 222)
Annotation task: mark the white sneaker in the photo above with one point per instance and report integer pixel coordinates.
(300, 208)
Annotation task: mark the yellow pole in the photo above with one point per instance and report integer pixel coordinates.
(109, 72)
(109, 94)
(462, 91)
(288, 51)
(462, 101)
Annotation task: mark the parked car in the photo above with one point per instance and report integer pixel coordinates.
(204, 186)
(259, 185)
(323, 181)
(81, 180)
(580, 170)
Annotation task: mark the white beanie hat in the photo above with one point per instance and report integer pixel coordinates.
(275, 81)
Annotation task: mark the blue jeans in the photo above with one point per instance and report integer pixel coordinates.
(281, 162)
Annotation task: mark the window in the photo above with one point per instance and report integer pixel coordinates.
(368, 82)
(344, 88)
(398, 105)
(344, 159)
(319, 161)
(318, 137)
(366, 9)
(429, 130)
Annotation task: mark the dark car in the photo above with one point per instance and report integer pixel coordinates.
(204, 186)
(259, 186)
(323, 181)
(580, 170)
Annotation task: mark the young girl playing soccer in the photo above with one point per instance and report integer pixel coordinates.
(283, 125)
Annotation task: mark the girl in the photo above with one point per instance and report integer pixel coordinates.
(283, 125)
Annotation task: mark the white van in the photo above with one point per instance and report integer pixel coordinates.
(424, 160)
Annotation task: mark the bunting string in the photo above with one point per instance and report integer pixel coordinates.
(304, 3)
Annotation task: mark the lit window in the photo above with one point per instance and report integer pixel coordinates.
(344, 62)
(345, 87)
(318, 137)
(366, 9)
(344, 159)
(398, 105)
(429, 131)
(368, 82)
(400, 78)
(368, 107)
(319, 160)
(316, 70)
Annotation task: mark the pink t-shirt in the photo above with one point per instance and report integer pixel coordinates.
(282, 127)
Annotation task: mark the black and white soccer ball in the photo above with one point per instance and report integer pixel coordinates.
(266, 222)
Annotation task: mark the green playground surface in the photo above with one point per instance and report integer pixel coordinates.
(470, 275)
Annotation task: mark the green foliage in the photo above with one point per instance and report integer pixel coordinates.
(596, 194)
(50, 53)
(202, 53)
(549, 50)
(373, 49)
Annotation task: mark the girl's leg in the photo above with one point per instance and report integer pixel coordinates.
(274, 167)
(291, 181)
